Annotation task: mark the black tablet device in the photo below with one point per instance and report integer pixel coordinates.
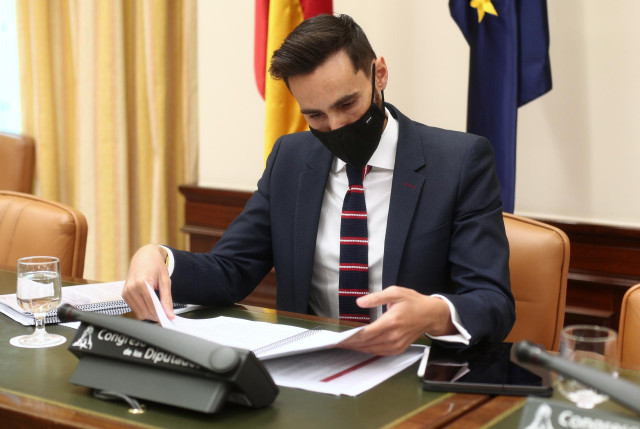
(488, 368)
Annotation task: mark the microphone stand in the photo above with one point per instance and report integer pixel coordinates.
(622, 391)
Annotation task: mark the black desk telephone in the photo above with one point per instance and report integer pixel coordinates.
(145, 361)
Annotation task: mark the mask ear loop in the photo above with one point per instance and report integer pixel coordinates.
(373, 88)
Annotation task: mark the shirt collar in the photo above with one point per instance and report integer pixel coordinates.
(385, 155)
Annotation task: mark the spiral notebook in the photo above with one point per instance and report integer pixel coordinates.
(105, 298)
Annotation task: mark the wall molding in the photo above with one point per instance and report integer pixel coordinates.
(605, 260)
(605, 263)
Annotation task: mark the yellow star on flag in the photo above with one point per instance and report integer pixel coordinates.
(483, 6)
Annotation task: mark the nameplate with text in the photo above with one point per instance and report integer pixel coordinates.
(539, 414)
(103, 342)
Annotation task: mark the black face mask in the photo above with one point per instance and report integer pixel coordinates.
(356, 142)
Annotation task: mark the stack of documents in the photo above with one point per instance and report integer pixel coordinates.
(298, 357)
(105, 298)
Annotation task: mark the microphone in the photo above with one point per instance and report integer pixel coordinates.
(66, 313)
(622, 391)
(215, 357)
(222, 373)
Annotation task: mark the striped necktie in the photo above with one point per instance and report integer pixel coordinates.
(354, 248)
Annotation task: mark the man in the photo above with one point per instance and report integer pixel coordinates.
(432, 249)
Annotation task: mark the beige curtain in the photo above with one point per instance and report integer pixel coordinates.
(108, 92)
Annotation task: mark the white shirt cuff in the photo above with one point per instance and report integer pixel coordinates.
(462, 336)
(171, 263)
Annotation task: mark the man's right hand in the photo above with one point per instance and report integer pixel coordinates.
(148, 266)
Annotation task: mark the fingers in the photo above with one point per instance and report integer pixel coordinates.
(165, 296)
(148, 267)
(137, 297)
(385, 336)
(369, 340)
(384, 297)
(405, 320)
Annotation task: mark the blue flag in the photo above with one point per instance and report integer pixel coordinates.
(509, 66)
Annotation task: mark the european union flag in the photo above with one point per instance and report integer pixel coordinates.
(509, 66)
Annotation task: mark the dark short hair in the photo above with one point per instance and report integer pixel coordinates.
(313, 41)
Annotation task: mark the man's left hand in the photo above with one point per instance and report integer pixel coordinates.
(409, 315)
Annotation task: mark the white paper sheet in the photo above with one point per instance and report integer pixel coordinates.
(339, 371)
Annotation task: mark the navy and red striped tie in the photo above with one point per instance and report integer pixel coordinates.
(354, 248)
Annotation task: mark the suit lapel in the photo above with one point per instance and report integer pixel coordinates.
(406, 188)
(310, 192)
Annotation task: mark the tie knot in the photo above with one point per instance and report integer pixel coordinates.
(356, 175)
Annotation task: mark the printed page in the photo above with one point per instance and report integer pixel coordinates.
(339, 371)
(92, 293)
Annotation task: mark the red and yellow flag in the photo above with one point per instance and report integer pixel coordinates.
(274, 21)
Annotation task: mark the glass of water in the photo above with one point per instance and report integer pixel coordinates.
(593, 346)
(38, 292)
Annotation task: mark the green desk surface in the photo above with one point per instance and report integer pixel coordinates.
(42, 376)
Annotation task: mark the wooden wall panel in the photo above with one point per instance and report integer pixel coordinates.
(208, 212)
(605, 260)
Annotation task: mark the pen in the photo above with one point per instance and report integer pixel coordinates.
(423, 362)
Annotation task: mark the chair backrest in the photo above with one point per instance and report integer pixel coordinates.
(539, 265)
(16, 162)
(32, 226)
(629, 330)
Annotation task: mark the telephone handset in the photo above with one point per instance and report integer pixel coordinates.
(145, 361)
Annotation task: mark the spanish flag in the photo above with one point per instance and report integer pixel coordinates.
(274, 21)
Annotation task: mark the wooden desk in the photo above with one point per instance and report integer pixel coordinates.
(35, 391)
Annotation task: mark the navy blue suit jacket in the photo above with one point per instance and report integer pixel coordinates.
(445, 232)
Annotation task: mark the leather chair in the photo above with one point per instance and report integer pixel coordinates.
(16, 162)
(539, 264)
(32, 226)
(629, 330)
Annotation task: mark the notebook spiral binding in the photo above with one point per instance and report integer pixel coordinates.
(283, 342)
(110, 308)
